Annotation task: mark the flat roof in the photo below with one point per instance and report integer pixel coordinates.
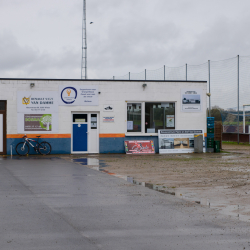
(102, 80)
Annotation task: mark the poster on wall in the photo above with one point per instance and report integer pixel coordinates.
(37, 102)
(81, 95)
(170, 120)
(191, 100)
(177, 141)
(37, 123)
(139, 147)
(108, 119)
(37, 112)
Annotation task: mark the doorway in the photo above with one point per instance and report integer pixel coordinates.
(3, 105)
(85, 133)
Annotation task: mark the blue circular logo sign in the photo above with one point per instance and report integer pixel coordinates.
(68, 95)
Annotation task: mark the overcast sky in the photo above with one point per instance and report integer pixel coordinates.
(43, 38)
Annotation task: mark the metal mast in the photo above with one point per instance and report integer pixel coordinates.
(84, 44)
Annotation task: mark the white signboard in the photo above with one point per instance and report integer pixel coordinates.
(130, 125)
(108, 108)
(37, 112)
(191, 100)
(37, 101)
(78, 95)
(177, 141)
(170, 121)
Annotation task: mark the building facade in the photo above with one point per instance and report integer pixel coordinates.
(96, 116)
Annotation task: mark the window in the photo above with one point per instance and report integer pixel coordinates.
(80, 118)
(2, 105)
(159, 116)
(134, 117)
(154, 116)
(93, 121)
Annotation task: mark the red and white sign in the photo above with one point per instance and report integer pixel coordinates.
(139, 147)
(108, 119)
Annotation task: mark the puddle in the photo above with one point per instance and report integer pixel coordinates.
(225, 157)
(91, 162)
(235, 211)
(238, 169)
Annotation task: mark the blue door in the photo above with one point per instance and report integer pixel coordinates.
(80, 138)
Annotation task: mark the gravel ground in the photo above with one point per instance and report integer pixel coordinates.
(219, 180)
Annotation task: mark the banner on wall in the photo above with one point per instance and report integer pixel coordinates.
(139, 147)
(37, 112)
(177, 141)
(78, 95)
(37, 102)
(191, 100)
(34, 123)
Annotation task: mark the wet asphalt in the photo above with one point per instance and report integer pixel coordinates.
(53, 203)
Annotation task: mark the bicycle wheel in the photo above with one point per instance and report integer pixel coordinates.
(22, 148)
(44, 148)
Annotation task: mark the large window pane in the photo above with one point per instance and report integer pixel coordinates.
(134, 117)
(159, 116)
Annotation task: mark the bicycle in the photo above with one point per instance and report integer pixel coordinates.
(22, 148)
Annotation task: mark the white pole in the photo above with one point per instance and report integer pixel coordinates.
(243, 119)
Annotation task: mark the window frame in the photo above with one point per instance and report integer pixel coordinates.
(142, 118)
(143, 132)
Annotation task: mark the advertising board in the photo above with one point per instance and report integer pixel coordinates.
(78, 95)
(37, 111)
(31, 102)
(108, 119)
(191, 100)
(33, 123)
(177, 141)
(139, 147)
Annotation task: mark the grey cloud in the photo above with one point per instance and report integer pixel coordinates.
(24, 61)
(13, 55)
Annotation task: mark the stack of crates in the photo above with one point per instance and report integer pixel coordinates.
(210, 134)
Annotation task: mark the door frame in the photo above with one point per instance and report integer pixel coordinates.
(3, 112)
(89, 129)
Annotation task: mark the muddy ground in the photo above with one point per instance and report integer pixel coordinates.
(218, 180)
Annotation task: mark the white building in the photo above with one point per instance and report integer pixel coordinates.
(95, 116)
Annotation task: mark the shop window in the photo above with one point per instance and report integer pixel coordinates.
(93, 121)
(134, 117)
(159, 116)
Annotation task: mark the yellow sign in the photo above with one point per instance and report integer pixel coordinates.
(26, 101)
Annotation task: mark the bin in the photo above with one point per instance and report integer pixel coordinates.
(217, 146)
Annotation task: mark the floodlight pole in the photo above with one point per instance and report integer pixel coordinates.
(84, 44)
(238, 90)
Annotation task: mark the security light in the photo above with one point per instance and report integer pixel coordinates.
(32, 85)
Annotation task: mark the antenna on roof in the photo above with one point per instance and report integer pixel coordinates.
(84, 44)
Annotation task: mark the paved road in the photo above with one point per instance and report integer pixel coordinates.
(51, 203)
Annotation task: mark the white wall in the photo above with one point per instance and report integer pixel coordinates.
(112, 93)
